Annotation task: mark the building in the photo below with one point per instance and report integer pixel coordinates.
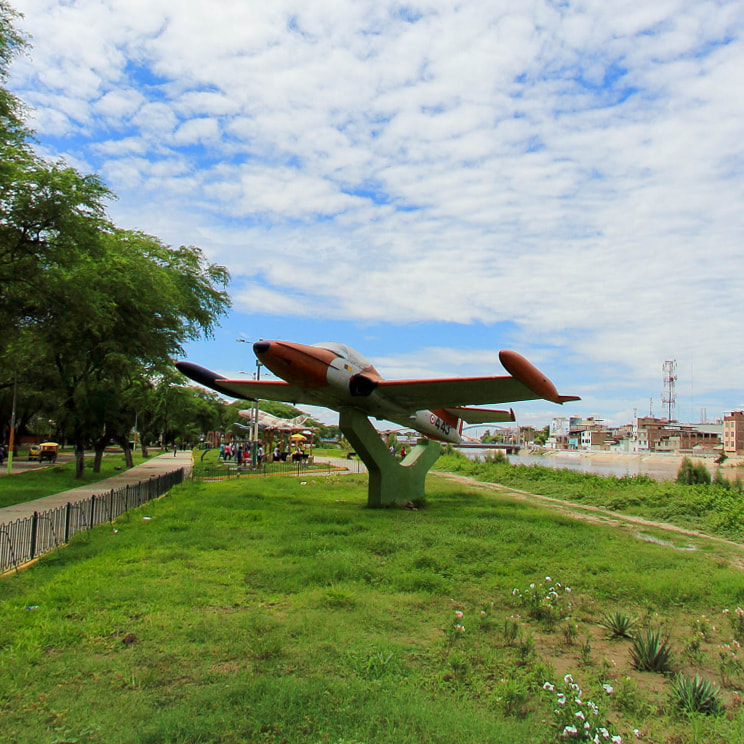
(733, 433)
(575, 433)
(593, 439)
(659, 435)
(685, 438)
(648, 434)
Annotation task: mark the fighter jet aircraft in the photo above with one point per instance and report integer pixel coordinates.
(336, 376)
(268, 421)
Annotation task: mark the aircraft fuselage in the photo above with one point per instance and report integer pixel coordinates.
(336, 376)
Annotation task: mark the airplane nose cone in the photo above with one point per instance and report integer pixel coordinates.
(261, 347)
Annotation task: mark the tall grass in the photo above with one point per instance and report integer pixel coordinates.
(715, 508)
(268, 610)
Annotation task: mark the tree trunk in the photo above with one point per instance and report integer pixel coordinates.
(123, 442)
(97, 460)
(79, 458)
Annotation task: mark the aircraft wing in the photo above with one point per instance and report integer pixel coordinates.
(417, 395)
(526, 382)
(246, 389)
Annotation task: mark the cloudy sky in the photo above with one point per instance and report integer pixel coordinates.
(430, 181)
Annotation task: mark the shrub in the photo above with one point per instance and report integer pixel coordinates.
(577, 719)
(736, 619)
(544, 602)
(649, 652)
(618, 624)
(692, 472)
(696, 695)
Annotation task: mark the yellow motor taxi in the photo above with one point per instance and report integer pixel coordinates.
(44, 451)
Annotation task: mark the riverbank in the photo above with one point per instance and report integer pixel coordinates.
(671, 459)
(657, 465)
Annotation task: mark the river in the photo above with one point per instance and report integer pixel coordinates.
(658, 466)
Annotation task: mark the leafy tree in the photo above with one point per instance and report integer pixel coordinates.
(94, 310)
(692, 472)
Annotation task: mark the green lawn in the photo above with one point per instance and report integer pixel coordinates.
(35, 484)
(282, 610)
(714, 509)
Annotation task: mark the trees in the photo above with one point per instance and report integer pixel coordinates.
(113, 319)
(95, 311)
(692, 472)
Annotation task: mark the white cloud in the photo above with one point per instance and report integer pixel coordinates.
(577, 168)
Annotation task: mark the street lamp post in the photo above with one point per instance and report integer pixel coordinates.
(254, 433)
(255, 418)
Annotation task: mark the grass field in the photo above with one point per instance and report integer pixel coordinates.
(36, 484)
(714, 509)
(283, 610)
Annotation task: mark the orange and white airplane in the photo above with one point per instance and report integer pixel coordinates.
(336, 376)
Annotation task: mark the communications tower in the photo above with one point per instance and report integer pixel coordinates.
(669, 396)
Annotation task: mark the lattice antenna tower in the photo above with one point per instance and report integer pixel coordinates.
(669, 397)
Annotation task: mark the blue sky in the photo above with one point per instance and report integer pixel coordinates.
(430, 182)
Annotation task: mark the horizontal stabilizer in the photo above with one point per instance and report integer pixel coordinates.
(481, 415)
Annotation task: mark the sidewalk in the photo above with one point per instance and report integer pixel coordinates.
(156, 466)
(355, 465)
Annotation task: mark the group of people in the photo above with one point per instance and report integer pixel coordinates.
(240, 453)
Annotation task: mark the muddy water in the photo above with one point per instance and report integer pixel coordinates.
(660, 467)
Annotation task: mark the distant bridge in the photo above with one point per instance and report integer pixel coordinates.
(510, 449)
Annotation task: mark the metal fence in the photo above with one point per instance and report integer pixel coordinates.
(229, 470)
(25, 539)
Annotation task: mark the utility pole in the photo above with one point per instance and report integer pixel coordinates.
(11, 439)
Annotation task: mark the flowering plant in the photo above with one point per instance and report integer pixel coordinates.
(456, 629)
(736, 619)
(544, 601)
(578, 719)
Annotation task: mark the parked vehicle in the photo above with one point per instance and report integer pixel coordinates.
(46, 451)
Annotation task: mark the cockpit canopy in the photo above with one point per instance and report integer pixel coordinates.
(345, 352)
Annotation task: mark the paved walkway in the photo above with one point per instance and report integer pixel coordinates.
(156, 466)
(355, 465)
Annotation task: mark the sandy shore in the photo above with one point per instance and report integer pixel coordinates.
(649, 458)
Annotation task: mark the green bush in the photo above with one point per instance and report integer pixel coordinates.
(691, 473)
(618, 624)
(696, 695)
(649, 652)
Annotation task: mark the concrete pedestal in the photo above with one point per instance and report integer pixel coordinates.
(390, 482)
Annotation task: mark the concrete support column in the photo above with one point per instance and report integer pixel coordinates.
(390, 482)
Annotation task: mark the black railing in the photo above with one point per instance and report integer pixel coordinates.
(230, 470)
(25, 539)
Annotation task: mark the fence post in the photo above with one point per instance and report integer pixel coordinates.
(92, 511)
(34, 526)
(68, 509)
